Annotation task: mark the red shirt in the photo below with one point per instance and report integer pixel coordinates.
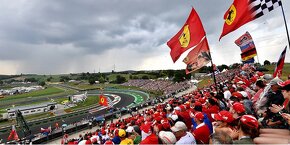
(201, 134)
(151, 139)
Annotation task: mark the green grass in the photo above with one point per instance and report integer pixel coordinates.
(285, 71)
(47, 91)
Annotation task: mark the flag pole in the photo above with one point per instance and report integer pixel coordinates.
(213, 72)
(285, 24)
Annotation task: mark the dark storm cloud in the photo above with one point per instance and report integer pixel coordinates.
(59, 36)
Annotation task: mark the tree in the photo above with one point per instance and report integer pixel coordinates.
(1, 82)
(41, 83)
(120, 79)
(49, 79)
(267, 62)
(145, 77)
(92, 80)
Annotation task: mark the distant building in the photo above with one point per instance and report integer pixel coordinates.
(28, 110)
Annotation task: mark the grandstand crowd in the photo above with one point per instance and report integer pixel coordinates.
(244, 107)
(166, 86)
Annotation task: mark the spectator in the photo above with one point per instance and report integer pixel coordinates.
(219, 138)
(124, 139)
(181, 134)
(151, 137)
(202, 132)
(167, 137)
(248, 130)
(224, 120)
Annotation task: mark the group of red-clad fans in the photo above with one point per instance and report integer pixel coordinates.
(245, 107)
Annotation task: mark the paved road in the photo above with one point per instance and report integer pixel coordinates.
(125, 101)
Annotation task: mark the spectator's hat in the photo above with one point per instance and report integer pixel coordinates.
(165, 124)
(283, 84)
(167, 137)
(129, 129)
(239, 107)
(267, 77)
(199, 116)
(224, 116)
(250, 121)
(122, 133)
(237, 95)
(197, 103)
(275, 81)
(179, 125)
(146, 128)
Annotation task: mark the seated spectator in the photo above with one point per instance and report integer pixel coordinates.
(278, 136)
(248, 130)
(124, 139)
(151, 137)
(167, 137)
(224, 120)
(181, 134)
(202, 132)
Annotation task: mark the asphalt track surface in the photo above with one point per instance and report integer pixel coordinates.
(126, 100)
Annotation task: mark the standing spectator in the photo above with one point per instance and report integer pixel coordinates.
(181, 134)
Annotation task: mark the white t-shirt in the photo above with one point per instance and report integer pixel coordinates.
(227, 94)
(187, 139)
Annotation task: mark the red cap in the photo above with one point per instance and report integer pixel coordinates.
(182, 107)
(237, 95)
(250, 121)
(197, 104)
(199, 116)
(109, 142)
(146, 128)
(225, 116)
(239, 107)
(283, 84)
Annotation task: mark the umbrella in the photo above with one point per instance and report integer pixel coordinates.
(100, 118)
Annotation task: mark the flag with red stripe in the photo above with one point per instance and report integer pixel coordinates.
(280, 64)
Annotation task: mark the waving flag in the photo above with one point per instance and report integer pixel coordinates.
(103, 101)
(280, 64)
(247, 46)
(244, 11)
(188, 36)
(13, 134)
(197, 57)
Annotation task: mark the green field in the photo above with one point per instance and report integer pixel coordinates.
(47, 91)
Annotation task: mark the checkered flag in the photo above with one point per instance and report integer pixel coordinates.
(110, 103)
(261, 7)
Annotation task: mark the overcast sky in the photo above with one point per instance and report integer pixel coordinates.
(73, 36)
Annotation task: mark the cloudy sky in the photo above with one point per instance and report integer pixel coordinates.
(73, 36)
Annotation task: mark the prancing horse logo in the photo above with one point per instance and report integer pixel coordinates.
(184, 38)
(231, 15)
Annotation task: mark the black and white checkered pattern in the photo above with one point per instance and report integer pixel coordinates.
(261, 7)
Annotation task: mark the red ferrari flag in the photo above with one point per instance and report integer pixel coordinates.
(197, 57)
(188, 36)
(13, 134)
(244, 11)
(103, 101)
(280, 64)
